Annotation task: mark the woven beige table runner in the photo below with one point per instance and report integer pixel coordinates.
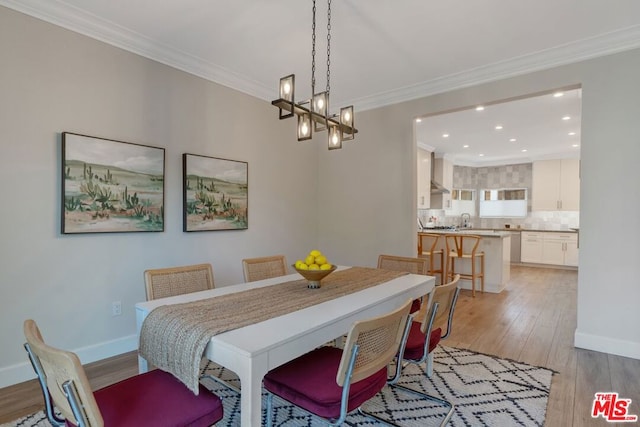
(173, 337)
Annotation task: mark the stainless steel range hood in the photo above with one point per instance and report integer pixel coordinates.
(436, 187)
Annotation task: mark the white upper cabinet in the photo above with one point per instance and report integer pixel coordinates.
(556, 185)
(424, 179)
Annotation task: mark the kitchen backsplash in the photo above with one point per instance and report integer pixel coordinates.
(509, 176)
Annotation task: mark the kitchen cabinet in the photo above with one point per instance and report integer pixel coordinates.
(531, 247)
(550, 248)
(556, 185)
(424, 179)
(560, 249)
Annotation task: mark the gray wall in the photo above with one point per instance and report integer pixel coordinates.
(53, 80)
(369, 195)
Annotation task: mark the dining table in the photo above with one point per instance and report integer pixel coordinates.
(252, 350)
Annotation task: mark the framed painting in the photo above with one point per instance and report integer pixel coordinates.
(111, 186)
(215, 193)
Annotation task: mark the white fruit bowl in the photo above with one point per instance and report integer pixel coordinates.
(315, 276)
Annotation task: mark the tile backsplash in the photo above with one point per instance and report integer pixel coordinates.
(509, 176)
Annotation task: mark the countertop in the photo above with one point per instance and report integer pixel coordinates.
(493, 232)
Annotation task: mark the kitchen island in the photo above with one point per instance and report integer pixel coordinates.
(496, 246)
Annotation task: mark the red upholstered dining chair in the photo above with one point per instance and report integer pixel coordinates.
(330, 382)
(155, 398)
(422, 337)
(408, 265)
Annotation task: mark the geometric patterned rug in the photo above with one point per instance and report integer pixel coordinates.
(486, 391)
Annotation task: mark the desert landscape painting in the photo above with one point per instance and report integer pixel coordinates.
(215, 193)
(111, 186)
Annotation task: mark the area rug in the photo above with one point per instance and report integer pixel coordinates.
(486, 390)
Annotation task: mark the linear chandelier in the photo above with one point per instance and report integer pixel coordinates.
(314, 113)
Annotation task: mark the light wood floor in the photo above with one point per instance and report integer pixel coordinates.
(532, 321)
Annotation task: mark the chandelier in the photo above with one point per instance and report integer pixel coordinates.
(313, 114)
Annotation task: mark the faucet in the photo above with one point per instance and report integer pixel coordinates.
(465, 220)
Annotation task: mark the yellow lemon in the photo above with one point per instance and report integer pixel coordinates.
(326, 266)
(310, 260)
(321, 260)
(315, 253)
(298, 262)
(314, 267)
(302, 266)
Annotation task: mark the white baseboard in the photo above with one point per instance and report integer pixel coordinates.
(607, 345)
(22, 372)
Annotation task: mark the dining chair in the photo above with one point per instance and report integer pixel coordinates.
(172, 281)
(331, 382)
(264, 267)
(422, 337)
(154, 398)
(465, 246)
(408, 265)
(428, 248)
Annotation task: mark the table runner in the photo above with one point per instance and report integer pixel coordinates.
(173, 337)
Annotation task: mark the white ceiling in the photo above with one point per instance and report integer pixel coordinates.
(533, 128)
(382, 51)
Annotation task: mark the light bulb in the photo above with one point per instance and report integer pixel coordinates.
(320, 103)
(305, 129)
(287, 88)
(334, 138)
(347, 116)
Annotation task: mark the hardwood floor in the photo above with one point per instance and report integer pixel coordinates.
(532, 321)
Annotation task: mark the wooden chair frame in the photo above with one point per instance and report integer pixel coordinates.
(264, 267)
(430, 251)
(457, 246)
(171, 281)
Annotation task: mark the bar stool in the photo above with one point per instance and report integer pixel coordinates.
(465, 246)
(427, 244)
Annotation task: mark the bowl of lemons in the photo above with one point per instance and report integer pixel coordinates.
(314, 268)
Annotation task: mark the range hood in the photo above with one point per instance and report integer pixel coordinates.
(436, 187)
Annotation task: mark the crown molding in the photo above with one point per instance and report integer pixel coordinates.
(611, 43)
(61, 14)
(79, 21)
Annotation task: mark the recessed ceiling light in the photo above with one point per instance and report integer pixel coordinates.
(445, 135)
(481, 155)
(558, 94)
(418, 120)
(566, 118)
(512, 140)
(498, 127)
(479, 108)
(571, 133)
(524, 150)
(465, 146)
(575, 145)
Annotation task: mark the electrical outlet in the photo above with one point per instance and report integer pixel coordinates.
(116, 308)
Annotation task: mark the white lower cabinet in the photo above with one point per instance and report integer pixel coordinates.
(550, 248)
(531, 247)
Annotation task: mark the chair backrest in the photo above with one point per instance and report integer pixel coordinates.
(264, 267)
(462, 244)
(443, 301)
(63, 370)
(171, 281)
(376, 341)
(408, 264)
(427, 243)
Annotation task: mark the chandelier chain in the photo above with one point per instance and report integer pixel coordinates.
(313, 51)
(328, 45)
